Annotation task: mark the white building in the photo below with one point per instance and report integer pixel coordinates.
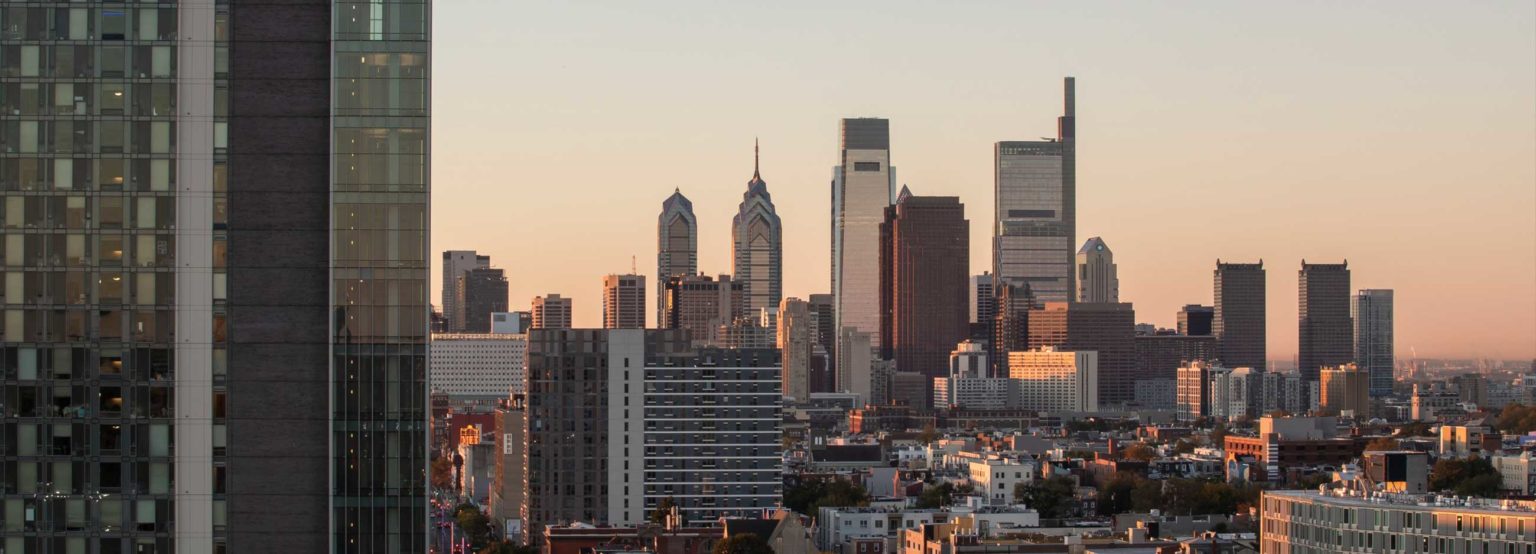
(1052, 381)
(996, 477)
(1519, 473)
(976, 393)
(1097, 278)
(477, 365)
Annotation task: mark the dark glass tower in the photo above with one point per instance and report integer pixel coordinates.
(1326, 332)
(924, 282)
(1239, 323)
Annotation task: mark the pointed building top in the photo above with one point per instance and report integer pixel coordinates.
(755, 156)
(904, 195)
(1097, 244)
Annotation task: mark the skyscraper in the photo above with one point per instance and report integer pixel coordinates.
(1239, 322)
(1035, 194)
(1372, 313)
(757, 247)
(983, 299)
(677, 246)
(1053, 380)
(703, 305)
(1195, 320)
(924, 256)
(795, 346)
(479, 293)
(1345, 388)
(1326, 331)
(823, 322)
(863, 185)
(1106, 328)
(1010, 327)
(624, 301)
(1097, 278)
(208, 289)
(551, 311)
(455, 264)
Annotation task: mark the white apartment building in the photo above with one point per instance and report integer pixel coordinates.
(477, 365)
(1518, 471)
(979, 393)
(1052, 381)
(996, 477)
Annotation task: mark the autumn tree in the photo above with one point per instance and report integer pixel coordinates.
(1381, 444)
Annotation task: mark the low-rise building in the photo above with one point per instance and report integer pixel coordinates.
(1519, 472)
(1351, 519)
(996, 477)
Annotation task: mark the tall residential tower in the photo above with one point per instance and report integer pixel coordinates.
(1372, 313)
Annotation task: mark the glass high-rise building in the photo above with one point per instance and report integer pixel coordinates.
(1372, 313)
(863, 185)
(1035, 225)
(757, 248)
(215, 276)
(1239, 321)
(677, 247)
(924, 283)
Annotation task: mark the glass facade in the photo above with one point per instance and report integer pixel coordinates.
(1035, 225)
(862, 187)
(379, 265)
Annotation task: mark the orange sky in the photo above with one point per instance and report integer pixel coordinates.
(1400, 135)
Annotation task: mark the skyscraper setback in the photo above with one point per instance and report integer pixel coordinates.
(677, 246)
(1372, 313)
(924, 257)
(757, 247)
(863, 185)
(222, 234)
(1326, 331)
(1035, 194)
(1239, 323)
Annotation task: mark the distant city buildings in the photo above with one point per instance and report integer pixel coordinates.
(513, 323)
(477, 366)
(1326, 331)
(1345, 391)
(1097, 278)
(1372, 314)
(983, 306)
(924, 258)
(1108, 329)
(1239, 321)
(757, 247)
(1193, 395)
(863, 185)
(796, 344)
(1195, 320)
(1035, 225)
(624, 302)
(1051, 380)
(677, 247)
(455, 264)
(1010, 328)
(551, 311)
(856, 366)
(480, 292)
(703, 305)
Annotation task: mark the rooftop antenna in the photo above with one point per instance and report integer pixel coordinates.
(632, 265)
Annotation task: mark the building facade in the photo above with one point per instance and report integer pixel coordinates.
(551, 311)
(795, 345)
(983, 300)
(1239, 319)
(1098, 280)
(480, 292)
(624, 302)
(677, 246)
(1348, 520)
(1195, 320)
(1344, 390)
(1372, 314)
(1050, 380)
(924, 257)
(1108, 329)
(192, 265)
(757, 247)
(1161, 356)
(479, 366)
(703, 305)
(455, 264)
(1326, 331)
(1035, 225)
(863, 185)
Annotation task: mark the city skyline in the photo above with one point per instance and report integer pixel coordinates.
(1255, 111)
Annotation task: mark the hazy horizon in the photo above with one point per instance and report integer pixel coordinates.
(1400, 136)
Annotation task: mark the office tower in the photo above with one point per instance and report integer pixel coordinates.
(1010, 330)
(983, 301)
(1326, 332)
(1235, 393)
(624, 301)
(702, 305)
(855, 364)
(757, 248)
(185, 219)
(1160, 356)
(677, 246)
(1345, 390)
(1097, 278)
(1239, 318)
(824, 322)
(455, 264)
(513, 323)
(477, 366)
(924, 259)
(1195, 320)
(1104, 328)
(863, 185)
(551, 311)
(1372, 314)
(795, 343)
(1194, 389)
(621, 419)
(1051, 380)
(1035, 193)
(480, 292)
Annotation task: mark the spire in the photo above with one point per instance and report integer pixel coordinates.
(755, 156)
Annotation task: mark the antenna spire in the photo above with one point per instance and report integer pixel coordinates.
(755, 155)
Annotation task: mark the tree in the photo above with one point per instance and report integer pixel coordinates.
(807, 497)
(743, 543)
(1140, 452)
(1416, 429)
(1115, 494)
(1219, 435)
(1516, 419)
(1183, 447)
(929, 434)
(1472, 476)
(474, 524)
(442, 473)
(1381, 443)
(663, 509)
(1053, 498)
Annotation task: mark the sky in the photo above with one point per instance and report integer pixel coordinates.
(1400, 136)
